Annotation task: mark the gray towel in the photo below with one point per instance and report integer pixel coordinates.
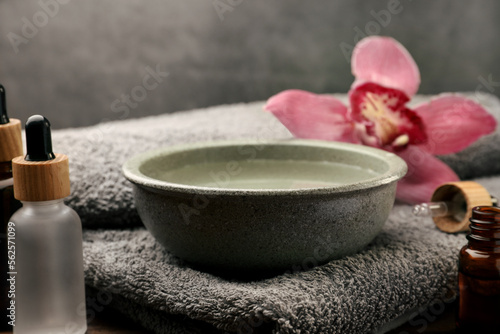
(409, 266)
(103, 197)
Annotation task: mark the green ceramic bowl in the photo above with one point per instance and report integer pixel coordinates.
(253, 206)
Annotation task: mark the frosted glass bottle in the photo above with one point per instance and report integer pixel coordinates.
(50, 294)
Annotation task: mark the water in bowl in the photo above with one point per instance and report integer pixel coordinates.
(266, 174)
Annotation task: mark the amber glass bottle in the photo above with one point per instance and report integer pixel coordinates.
(11, 146)
(479, 274)
(8, 206)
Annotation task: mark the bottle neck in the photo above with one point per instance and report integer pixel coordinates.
(5, 170)
(57, 204)
(44, 203)
(485, 227)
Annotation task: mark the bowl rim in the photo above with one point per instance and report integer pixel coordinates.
(131, 168)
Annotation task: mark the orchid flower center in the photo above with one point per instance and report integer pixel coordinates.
(383, 112)
(377, 109)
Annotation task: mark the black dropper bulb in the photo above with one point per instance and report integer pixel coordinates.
(38, 139)
(4, 119)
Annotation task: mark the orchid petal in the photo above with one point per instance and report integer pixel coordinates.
(425, 174)
(312, 116)
(384, 61)
(453, 122)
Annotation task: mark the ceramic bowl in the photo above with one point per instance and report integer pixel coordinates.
(253, 206)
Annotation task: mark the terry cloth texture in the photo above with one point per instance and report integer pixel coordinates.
(410, 264)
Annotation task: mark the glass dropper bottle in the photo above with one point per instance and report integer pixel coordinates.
(50, 290)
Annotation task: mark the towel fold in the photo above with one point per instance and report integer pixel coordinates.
(409, 265)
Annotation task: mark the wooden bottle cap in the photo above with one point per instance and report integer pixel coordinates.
(11, 143)
(469, 193)
(41, 180)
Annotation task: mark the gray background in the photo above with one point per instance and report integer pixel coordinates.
(92, 51)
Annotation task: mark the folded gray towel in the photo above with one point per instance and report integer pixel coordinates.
(103, 197)
(408, 266)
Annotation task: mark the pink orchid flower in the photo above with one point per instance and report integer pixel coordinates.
(386, 77)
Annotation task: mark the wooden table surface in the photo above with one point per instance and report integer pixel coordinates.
(112, 322)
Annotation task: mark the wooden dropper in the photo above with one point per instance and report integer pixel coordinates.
(451, 205)
(11, 143)
(41, 175)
